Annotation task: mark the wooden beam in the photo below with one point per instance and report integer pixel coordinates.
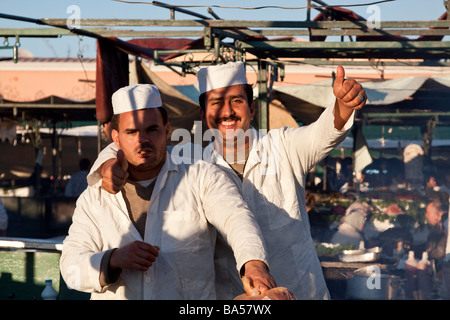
(232, 33)
(249, 23)
(364, 49)
(25, 105)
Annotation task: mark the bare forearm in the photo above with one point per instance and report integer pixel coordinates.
(342, 114)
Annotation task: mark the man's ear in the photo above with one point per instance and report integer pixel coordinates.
(203, 116)
(115, 137)
(167, 129)
(252, 109)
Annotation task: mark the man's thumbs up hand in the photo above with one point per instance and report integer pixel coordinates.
(114, 173)
(348, 92)
(122, 160)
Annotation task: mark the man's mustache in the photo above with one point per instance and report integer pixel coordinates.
(144, 146)
(230, 118)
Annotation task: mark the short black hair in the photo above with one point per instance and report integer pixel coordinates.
(248, 92)
(115, 118)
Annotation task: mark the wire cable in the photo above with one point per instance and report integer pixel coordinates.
(255, 8)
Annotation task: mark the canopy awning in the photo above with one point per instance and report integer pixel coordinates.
(406, 100)
(50, 108)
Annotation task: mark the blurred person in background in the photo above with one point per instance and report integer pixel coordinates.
(78, 183)
(3, 219)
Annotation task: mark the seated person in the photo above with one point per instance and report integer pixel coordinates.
(350, 231)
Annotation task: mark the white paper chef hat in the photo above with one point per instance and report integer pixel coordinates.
(219, 76)
(136, 97)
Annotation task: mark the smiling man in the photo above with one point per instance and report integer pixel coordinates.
(225, 92)
(272, 174)
(155, 238)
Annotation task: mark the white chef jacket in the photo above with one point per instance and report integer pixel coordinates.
(188, 204)
(274, 187)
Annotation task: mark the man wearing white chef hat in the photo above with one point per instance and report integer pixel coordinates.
(277, 196)
(155, 238)
(220, 83)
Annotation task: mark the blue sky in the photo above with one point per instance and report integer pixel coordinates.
(70, 46)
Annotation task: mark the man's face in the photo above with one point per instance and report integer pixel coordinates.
(142, 137)
(227, 109)
(433, 214)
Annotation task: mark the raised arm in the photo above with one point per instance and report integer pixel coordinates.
(304, 147)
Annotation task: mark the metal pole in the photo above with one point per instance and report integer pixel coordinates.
(175, 8)
(263, 114)
(54, 157)
(308, 12)
(99, 136)
(447, 6)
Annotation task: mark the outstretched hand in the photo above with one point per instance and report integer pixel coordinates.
(257, 278)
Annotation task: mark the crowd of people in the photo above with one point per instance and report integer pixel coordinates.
(416, 221)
